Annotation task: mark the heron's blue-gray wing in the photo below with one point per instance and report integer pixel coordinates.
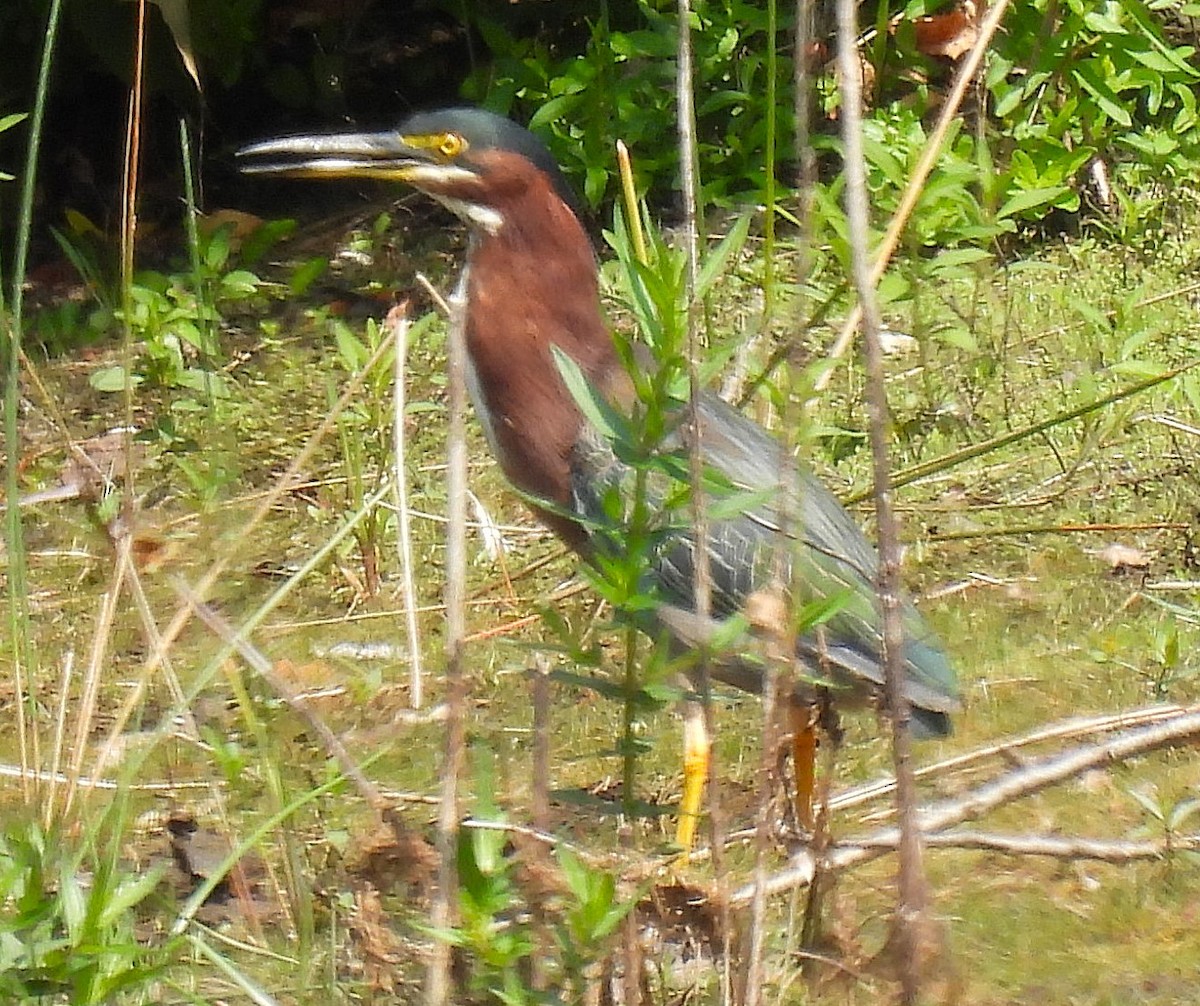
(770, 520)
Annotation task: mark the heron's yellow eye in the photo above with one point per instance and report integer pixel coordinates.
(451, 145)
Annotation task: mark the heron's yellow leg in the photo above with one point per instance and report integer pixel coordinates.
(804, 761)
(695, 772)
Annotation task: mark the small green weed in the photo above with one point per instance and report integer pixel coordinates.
(1167, 820)
(67, 923)
(503, 925)
(175, 318)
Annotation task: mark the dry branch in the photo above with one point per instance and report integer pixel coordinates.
(1014, 785)
(1056, 846)
(908, 922)
(1086, 726)
(441, 916)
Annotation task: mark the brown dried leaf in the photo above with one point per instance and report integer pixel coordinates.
(387, 860)
(952, 34)
(241, 225)
(1122, 558)
(379, 945)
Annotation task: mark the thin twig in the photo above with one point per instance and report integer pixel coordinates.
(437, 987)
(935, 466)
(422, 609)
(1040, 338)
(397, 322)
(91, 782)
(701, 716)
(1008, 532)
(702, 586)
(910, 908)
(916, 184)
(539, 678)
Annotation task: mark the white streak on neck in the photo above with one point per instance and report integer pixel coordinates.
(474, 386)
(483, 217)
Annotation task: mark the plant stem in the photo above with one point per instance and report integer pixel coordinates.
(18, 586)
(910, 908)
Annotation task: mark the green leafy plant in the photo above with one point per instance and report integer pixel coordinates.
(1067, 83)
(1098, 80)
(365, 431)
(1167, 820)
(67, 923)
(175, 318)
(498, 946)
(500, 922)
(363, 437)
(7, 122)
(1170, 662)
(624, 73)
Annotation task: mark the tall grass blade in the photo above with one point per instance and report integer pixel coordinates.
(915, 472)
(23, 656)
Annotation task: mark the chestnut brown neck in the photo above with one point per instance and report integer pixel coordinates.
(532, 285)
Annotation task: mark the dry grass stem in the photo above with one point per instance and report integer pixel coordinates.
(916, 184)
(437, 984)
(539, 686)
(397, 324)
(93, 675)
(60, 726)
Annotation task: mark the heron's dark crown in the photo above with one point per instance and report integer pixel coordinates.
(483, 130)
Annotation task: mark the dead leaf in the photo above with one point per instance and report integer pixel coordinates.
(1123, 558)
(378, 943)
(241, 225)
(93, 466)
(951, 35)
(767, 611)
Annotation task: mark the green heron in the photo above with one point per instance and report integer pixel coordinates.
(531, 285)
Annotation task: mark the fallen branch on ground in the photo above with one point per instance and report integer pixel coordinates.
(1056, 846)
(1014, 785)
(1086, 726)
